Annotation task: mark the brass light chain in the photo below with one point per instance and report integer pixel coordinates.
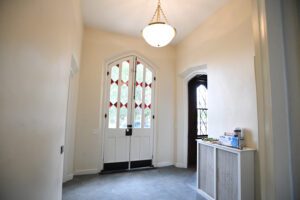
(158, 13)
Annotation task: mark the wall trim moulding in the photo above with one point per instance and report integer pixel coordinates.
(163, 164)
(68, 177)
(180, 165)
(86, 171)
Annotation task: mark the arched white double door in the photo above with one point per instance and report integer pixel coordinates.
(129, 114)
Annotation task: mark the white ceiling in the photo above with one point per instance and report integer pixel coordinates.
(130, 16)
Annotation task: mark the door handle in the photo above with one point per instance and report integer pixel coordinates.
(128, 131)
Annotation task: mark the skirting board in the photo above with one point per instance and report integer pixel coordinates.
(163, 164)
(206, 196)
(86, 171)
(95, 171)
(180, 165)
(68, 177)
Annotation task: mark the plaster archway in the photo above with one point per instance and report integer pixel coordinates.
(182, 113)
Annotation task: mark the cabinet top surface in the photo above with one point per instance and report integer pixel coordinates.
(245, 149)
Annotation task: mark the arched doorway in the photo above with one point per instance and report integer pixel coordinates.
(197, 114)
(129, 114)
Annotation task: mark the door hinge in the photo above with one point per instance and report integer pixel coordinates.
(105, 116)
(154, 78)
(107, 73)
(153, 116)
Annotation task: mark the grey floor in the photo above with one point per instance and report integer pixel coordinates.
(168, 183)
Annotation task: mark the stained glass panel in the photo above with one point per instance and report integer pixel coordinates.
(112, 122)
(147, 119)
(115, 72)
(113, 97)
(139, 73)
(123, 117)
(125, 71)
(138, 95)
(119, 96)
(124, 95)
(148, 78)
(137, 117)
(147, 96)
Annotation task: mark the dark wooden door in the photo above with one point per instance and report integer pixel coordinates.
(192, 117)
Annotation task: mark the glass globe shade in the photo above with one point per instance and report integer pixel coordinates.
(158, 34)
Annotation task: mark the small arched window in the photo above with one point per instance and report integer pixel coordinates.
(202, 110)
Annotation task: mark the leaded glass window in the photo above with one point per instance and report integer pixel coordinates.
(125, 85)
(143, 97)
(113, 97)
(124, 95)
(138, 97)
(148, 98)
(202, 110)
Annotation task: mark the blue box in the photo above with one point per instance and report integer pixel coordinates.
(230, 141)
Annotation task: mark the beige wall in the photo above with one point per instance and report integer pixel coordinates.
(98, 47)
(224, 43)
(37, 40)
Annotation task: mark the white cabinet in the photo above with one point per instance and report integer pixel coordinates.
(225, 173)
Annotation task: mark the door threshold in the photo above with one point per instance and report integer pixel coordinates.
(103, 172)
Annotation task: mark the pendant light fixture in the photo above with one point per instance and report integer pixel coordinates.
(158, 32)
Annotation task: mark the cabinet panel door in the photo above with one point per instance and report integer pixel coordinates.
(206, 169)
(227, 175)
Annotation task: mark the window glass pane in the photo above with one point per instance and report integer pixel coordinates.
(147, 96)
(201, 97)
(139, 73)
(115, 72)
(138, 95)
(147, 121)
(113, 93)
(123, 117)
(148, 78)
(198, 122)
(125, 71)
(123, 106)
(137, 117)
(202, 110)
(113, 97)
(124, 95)
(112, 122)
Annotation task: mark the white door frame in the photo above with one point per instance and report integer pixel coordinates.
(185, 77)
(104, 103)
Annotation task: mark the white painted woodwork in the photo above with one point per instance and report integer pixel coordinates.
(117, 146)
(225, 173)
